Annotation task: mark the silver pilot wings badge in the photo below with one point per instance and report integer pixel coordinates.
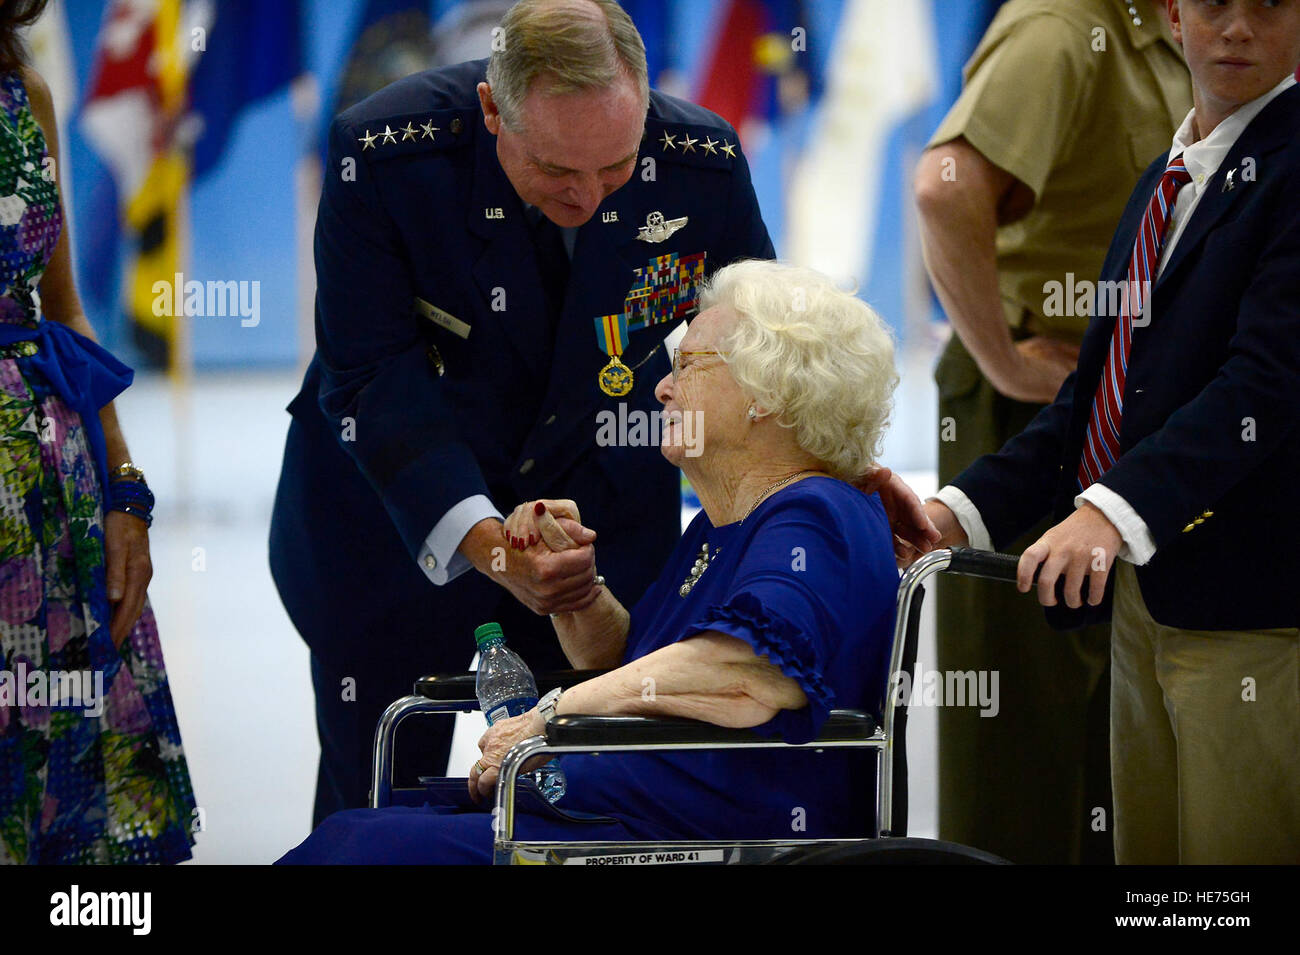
(657, 228)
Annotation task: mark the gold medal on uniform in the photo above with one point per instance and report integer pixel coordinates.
(615, 378)
(664, 290)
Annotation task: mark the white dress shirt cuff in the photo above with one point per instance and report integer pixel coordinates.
(1139, 546)
(968, 516)
(439, 558)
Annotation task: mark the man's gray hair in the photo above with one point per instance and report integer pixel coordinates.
(572, 45)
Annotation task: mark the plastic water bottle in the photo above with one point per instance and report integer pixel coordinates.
(505, 687)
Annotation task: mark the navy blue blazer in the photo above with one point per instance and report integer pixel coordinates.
(401, 416)
(1210, 437)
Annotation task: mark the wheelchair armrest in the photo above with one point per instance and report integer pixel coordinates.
(459, 687)
(574, 730)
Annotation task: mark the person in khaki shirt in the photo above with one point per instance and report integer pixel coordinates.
(1065, 103)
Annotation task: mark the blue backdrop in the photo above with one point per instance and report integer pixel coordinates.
(242, 212)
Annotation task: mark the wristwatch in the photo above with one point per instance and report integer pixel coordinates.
(546, 705)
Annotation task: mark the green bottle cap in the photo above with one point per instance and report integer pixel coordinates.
(488, 631)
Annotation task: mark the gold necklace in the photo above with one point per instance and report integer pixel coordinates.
(702, 561)
(771, 488)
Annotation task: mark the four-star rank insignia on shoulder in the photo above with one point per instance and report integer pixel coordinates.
(706, 146)
(409, 133)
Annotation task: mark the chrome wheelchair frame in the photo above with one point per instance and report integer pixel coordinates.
(845, 729)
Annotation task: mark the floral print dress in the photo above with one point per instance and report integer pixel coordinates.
(91, 765)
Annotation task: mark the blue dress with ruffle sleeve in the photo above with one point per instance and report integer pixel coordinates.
(809, 581)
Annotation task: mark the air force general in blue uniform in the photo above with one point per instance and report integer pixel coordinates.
(456, 375)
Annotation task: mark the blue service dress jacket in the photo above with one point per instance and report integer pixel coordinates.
(441, 374)
(1210, 435)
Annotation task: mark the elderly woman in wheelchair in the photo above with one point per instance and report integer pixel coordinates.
(776, 605)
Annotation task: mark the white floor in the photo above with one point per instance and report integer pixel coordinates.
(238, 671)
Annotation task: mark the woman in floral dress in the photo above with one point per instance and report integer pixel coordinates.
(91, 765)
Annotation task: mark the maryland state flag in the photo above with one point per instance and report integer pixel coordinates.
(133, 114)
(170, 82)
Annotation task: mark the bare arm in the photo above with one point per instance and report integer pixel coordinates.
(59, 300)
(595, 637)
(961, 199)
(127, 566)
(711, 677)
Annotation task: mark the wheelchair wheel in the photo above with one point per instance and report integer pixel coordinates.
(889, 851)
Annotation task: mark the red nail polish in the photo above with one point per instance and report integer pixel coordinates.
(531, 540)
(539, 508)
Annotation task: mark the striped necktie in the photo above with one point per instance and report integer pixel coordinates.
(1101, 445)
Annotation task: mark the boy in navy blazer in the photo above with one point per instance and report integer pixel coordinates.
(1170, 457)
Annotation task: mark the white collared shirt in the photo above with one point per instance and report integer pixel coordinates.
(1202, 159)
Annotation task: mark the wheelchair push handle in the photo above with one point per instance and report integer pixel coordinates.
(984, 563)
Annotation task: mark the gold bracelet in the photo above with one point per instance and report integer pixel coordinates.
(127, 472)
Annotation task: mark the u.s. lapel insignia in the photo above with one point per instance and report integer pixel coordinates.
(1228, 184)
(657, 228)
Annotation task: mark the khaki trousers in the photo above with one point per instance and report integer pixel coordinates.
(1204, 739)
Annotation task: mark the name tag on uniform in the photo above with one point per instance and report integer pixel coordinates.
(445, 319)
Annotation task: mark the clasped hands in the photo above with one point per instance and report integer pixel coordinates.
(550, 560)
(560, 563)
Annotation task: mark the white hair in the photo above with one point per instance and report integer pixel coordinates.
(815, 356)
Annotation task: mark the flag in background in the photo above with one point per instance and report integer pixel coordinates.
(132, 116)
(116, 142)
(877, 80)
(755, 73)
(252, 50)
(169, 83)
(393, 38)
(652, 22)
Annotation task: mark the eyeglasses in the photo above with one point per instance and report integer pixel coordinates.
(678, 355)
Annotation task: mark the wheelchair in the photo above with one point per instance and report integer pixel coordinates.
(883, 732)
